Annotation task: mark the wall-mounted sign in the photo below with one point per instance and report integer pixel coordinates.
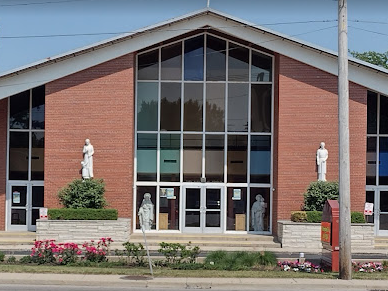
(325, 231)
(167, 193)
(368, 210)
(43, 213)
(15, 197)
(236, 194)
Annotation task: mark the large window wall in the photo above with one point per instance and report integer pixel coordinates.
(25, 173)
(204, 116)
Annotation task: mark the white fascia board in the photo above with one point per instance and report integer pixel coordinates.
(14, 84)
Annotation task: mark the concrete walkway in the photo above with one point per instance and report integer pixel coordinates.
(188, 283)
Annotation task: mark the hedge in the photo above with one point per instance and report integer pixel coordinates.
(316, 216)
(82, 214)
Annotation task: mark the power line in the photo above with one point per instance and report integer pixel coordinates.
(41, 3)
(367, 30)
(163, 30)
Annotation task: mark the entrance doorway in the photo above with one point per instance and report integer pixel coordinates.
(24, 201)
(379, 197)
(203, 211)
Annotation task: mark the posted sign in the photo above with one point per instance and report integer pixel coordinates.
(325, 231)
(43, 213)
(368, 210)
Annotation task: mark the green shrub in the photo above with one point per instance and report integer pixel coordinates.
(135, 253)
(82, 214)
(267, 259)
(314, 216)
(11, 260)
(80, 193)
(25, 260)
(2, 256)
(176, 253)
(357, 217)
(222, 260)
(317, 194)
(298, 216)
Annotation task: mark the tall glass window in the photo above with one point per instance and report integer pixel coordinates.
(26, 135)
(204, 125)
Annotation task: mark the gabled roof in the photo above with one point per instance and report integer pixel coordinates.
(47, 70)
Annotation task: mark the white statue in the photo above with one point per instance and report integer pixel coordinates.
(146, 212)
(322, 155)
(258, 213)
(87, 163)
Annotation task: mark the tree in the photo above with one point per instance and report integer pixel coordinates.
(379, 59)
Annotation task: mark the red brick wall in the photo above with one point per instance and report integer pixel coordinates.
(97, 103)
(3, 159)
(307, 114)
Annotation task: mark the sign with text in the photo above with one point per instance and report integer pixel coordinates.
(325, 231)
(43, 213)
(368, 210)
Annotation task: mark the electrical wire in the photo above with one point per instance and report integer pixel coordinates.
(41, 3)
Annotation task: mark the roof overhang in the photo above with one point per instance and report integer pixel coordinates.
(45, 71)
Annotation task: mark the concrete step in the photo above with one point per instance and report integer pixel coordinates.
(381, 242)
(210, 242)
(17, 238)
(209, 237)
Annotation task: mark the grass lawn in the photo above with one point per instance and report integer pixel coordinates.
(166, 272)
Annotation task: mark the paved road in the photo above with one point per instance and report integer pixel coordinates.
(95, 288)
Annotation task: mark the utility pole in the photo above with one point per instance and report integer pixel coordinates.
(345, 254)
(208, 3)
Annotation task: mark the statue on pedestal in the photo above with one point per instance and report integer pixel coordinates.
(258, 213)
(146, 212)
(87, 163)
(322, 155)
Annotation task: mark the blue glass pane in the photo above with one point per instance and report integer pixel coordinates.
(260, 159)
(169, 157)
(194, 59)
(146, 157)
(147, 106)
(383, 156)
(37, 111)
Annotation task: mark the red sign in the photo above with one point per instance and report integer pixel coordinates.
(325, 231)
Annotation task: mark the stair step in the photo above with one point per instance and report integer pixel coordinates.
(178, 237)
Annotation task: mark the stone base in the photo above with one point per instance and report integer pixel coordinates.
(304, 236)
(79, 231)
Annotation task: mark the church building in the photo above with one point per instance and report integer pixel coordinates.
(205, 112)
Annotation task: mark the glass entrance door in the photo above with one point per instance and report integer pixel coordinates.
(202, 209)
(381, 213)
(24, 201)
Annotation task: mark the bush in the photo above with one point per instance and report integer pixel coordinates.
(82, 214)
(317, 194)
(357, 217)
(135, 253)
(298, 216)
(314, 216)
(11, 260)
(25, 260)
(176, 253)
(2, 256)
(222, 260)
(80, 193)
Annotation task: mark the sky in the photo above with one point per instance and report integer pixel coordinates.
(32, 30)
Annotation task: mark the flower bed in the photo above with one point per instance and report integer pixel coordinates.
(297, 266)
(369, 267)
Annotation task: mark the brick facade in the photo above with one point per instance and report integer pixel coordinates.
(3, 159)
(97, 103)
(306, 113)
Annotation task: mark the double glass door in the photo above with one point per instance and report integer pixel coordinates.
(379, 198)
(202, 209)
(24, 201)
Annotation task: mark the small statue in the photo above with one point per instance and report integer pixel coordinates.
(146, 212)
(87, 163)
(322, 155)
(258, 213)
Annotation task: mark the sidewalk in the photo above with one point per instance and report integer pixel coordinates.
(187, 283)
